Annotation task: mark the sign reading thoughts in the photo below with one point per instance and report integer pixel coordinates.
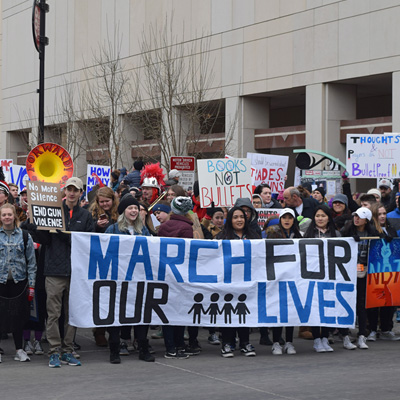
(45, 205)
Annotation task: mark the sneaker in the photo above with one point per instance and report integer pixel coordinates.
(145, 355)
(362, 342)
(331, 338)
(227, 351)
(123, 349)
(213, 339)
(21, 356)
(288, 348)
(186, 335)
(157, 335)
(318, 346)
(276, 349)
(28, 348)
(192, 350)
(37, 347)
(372, 337)
(325, 345)
(77, 346)
(68, 358)
(132, 346)
(55, 361)
(151, 350)
(248, 350)
(265, 341)
(75, 354)
(347, 343)
(389, 335)
(179, 355)
(115, 358)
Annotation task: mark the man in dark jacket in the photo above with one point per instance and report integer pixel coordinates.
(57, 270)
(133, 178)
(293, 200)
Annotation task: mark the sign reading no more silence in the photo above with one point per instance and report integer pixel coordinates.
(45, 205)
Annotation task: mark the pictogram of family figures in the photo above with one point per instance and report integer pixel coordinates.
(213, 309)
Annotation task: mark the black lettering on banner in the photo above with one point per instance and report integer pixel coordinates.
(334, 260)
(123, 319)
(153, 304)
(271, 259)
(109, 320)
(305, 274)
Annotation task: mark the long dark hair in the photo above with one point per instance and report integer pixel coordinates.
(350, 229)
(294, 229)
(331, 228)
(229, 233)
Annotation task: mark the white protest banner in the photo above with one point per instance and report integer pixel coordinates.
(223, 181)
(97, 171)
(127, 280)
(270, 169)
(6, 164)
(265, 213)
(19, 176)
(373, 156)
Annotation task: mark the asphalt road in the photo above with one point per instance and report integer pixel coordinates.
(343, 374)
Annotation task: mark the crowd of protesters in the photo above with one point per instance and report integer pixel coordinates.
(35, 265)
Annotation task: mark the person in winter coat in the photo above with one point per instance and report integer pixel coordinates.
(264, 190)
(251, 213)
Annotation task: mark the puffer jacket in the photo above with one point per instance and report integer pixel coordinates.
(14, 255)
(58, 245)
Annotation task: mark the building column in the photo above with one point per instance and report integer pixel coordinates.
(396, 101)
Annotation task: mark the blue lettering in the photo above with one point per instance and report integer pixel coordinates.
(92, 170)
(171, 261)
(345, 287)
(325, 303)
(210, 166)
(355, 169)
(229, 260)
(283, 302)
(144, 258)
(96, 258)
(262, 305)
(195, 246)
(303, 312)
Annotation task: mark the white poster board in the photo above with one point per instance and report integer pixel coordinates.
(223, 181)
(270, 169)
(102, 171)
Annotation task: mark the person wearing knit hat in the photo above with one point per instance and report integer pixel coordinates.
(161, 211)
(319, 195)
(126, 201)
(376, 193)
(257, 201)
(181, 205)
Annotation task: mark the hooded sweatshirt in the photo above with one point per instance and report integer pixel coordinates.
(253, 221)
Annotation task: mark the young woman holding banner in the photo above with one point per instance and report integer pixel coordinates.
(286, 228)
(236, 227)
(17, 277)
(129, 223)
(322, 226)
(360, 226)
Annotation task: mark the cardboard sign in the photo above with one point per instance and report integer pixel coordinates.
(131, 280)
(186, 166)
(103, 172)
(265, 213)
(45, 205)
(223, 181)
(270, 169)
(373, 156)
(383, 279)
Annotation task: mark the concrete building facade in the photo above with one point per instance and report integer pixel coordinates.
(292, 74)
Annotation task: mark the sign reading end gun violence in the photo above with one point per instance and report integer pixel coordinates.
(45, 205)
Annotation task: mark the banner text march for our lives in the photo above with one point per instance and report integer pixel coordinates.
(127, 280)
(373, 156)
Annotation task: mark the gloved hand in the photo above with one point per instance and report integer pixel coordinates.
(31, 293)
(356, 238)
(63, 236)
(388, 238)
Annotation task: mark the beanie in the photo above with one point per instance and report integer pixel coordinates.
(126, 201)
(181, 205)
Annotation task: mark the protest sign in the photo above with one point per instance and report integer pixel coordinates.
(223, 181)
(127, 280)
(6, 164)
(19, 176)
(45, 205)
(373, 156)
(270, 169)
(186, 166)
(383, 279)
(331, 181)
(94, 173)
(265, 213)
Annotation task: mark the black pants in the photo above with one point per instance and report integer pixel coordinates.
(320, 332)
(361, 310)
(229, 336)
(384, 314)
(114, 334)
(277, 333)
(9, 290)
(173, 337)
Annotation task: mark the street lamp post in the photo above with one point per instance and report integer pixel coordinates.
(40, 8)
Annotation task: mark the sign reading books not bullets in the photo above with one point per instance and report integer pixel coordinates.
(373, 156)
(45, 205)
(128, 280)
(223, 181)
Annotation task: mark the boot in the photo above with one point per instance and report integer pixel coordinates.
(100, 337)
(144, 353)
(114, 353)
(305, 333)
